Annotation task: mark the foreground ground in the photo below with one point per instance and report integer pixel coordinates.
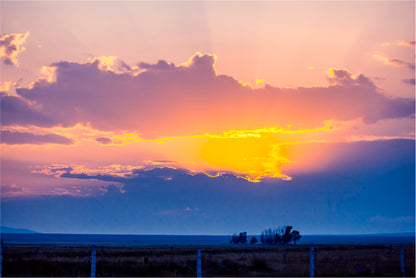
(330, 260)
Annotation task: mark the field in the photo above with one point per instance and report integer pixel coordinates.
(330, 260)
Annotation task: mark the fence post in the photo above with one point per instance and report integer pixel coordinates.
(198, 262)
(1, 257)
(312, 262)
(402, 261)
(93, 255)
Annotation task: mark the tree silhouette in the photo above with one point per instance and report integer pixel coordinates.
(295, 236)
(282, 236)
(287, 236)
(239, 239)
(243, 237)
(268, 236)
(235, 239)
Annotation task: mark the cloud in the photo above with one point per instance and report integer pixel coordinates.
(407, 43)
(164, 174)
(394, 62)
(82, 171)
(335, 158)
(5, 86)
(161, 65)
(191, 98)
(17, 138)
(104, 140)
(95, 177)
(23, 180)
(16, 110)
(11, 189)
(410, 81)
(343, 199)
(358, 189)
(11, 46)
(343, 77)
(61, 169)
(400, 43)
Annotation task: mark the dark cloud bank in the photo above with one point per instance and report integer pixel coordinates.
(347, 197)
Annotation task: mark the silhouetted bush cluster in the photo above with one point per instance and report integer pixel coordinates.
(281, 236)
(239, 239)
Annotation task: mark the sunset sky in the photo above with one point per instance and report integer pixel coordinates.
(208, 117)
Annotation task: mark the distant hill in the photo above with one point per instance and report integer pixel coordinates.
(9, 230)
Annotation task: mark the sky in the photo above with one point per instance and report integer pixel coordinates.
(208, 117)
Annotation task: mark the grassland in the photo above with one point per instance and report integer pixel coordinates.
(330, 260)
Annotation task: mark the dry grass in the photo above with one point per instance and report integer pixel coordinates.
(340, 260)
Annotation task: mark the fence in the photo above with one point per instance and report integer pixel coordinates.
(208, 253)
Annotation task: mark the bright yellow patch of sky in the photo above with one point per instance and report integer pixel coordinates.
(251, 154)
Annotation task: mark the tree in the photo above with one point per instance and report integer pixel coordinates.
(239, 239)
(295, 236)
(287, 236)
(234, 239)
(253, 240)
(277, 237)
(282, 236)
(243, 237)
(268, 236)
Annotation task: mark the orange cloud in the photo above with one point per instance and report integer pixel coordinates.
(105, 63)
(5, 86)
(400, 43)
(49, 72)
(407, 43)
(11, 46)
(394, 62)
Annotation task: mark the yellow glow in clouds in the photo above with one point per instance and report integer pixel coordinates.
(254, 154)
(252, 157)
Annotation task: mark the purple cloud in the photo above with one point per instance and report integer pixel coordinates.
(410, 81)
(191, 98)
(61, 169)
(16, 110)
(6, 188)
(104, 140)
(161, 65)
(343, 77)
(16, 138)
